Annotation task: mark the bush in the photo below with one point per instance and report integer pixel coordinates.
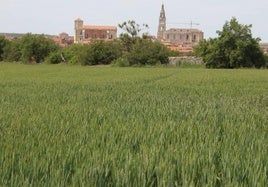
(266, 60)
(3, 44)
(35, 48)
(54, 58)
(105, 52)
(97, 52)
(143, 52)
(120, 62)
(12, 51)
(29, 49)
(73, 54)
(147, 52)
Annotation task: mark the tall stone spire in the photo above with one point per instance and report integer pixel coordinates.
(162, 24)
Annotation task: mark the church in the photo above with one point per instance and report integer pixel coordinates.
(177, 36)
(85, 33)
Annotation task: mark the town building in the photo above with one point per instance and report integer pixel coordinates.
(181, 39)
(63, 39)
(264, 47)
(85, 33)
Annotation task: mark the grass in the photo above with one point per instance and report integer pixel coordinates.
(100, 126)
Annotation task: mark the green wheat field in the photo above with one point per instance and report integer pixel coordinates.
(66, 125)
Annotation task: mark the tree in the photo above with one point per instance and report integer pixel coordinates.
(132, 28)
(139, 49)
(3, 43)
(131, 34)
(54, 58)
(147, 52)
(29, 49)
(104, 52)
(12, 51)
(77, 54)
(35, 48)
(266, 60)
(97, 52)
(234, 48)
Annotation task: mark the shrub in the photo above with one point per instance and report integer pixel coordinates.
(266, 60)
(73, 54)
(97, 52)
(103, 52)
(35, 48)
(54, 58)
(121, 62)
(3, 44)
(12, 51)
(147, 52)
(29, 49)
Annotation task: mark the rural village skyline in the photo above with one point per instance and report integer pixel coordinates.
(54, 17)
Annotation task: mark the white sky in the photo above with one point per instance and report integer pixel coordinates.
(55, 16)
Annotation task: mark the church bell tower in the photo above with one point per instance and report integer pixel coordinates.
(78, 31)
(162, 26)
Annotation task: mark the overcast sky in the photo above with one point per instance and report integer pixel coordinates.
(55, 16)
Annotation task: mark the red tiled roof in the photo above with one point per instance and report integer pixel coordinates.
(97, 27)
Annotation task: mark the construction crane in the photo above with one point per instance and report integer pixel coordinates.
(191, 24)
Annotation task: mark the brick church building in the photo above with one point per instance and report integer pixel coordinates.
(85, 33)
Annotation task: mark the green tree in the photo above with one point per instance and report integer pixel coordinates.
(266, 60)
(131, 33)
(71, 53)
(35, 48)
(131, 28)
(234, 48)
(97, 52)
(3, 43)
(54, 58)
(147, 52)
(104, 52)
(77, 54)
(138, 48)
(12, 51)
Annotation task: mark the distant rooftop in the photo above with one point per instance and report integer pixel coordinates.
(184, 30)
(98, 27)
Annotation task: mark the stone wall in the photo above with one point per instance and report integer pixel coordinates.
(175, 61)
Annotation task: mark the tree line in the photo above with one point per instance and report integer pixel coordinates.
(129, 50)
(233, 48)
